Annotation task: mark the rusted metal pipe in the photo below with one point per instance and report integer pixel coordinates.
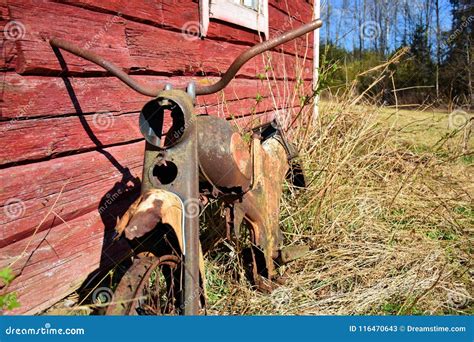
(254, 51)
(109, 66)
(200, 90)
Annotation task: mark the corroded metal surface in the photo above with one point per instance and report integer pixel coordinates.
(130, 291)
(224, 157)
(154, 211)
(260, 205)
(172, 165)
(248, 178)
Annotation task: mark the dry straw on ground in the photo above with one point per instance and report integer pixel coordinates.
(389, 224)
(388, 215)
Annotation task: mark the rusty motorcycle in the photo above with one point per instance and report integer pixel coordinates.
(193, 159)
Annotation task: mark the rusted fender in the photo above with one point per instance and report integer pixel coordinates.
(153, 207)
(261, 205)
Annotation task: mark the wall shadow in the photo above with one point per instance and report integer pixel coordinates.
(115, 254)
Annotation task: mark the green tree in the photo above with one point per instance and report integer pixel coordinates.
(422, 63)
(458, 67)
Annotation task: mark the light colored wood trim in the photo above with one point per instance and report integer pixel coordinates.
(316, 15)
(204, 16)
(234, 13)
(265, 28)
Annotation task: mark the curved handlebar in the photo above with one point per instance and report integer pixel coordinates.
(200, 90)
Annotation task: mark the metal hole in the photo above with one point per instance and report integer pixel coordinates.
(166, 172)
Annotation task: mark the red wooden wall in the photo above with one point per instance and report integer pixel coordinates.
(66, 172)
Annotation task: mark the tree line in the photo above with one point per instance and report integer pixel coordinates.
(432, 39)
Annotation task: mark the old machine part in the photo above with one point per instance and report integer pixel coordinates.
(187, 159)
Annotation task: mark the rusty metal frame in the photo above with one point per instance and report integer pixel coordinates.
(184, 154)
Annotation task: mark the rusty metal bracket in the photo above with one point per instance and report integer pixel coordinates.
(171, 163)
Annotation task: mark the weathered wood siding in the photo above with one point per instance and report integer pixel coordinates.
(66, 172)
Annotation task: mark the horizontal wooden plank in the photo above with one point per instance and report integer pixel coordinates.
(11, 31)
(104, 33)
(134, 49)
(32, 96)
(176, 14)
(203, 56)
(156, 50)
(285, 15)
(300, 10)
(112, 111)
(53, 263)
(171, 14)
(46, 137)
(43, 138)
(38, 139)
(78, 184)
(4, 10)
(284, 67)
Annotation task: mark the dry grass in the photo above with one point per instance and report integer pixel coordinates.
(388, 215)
